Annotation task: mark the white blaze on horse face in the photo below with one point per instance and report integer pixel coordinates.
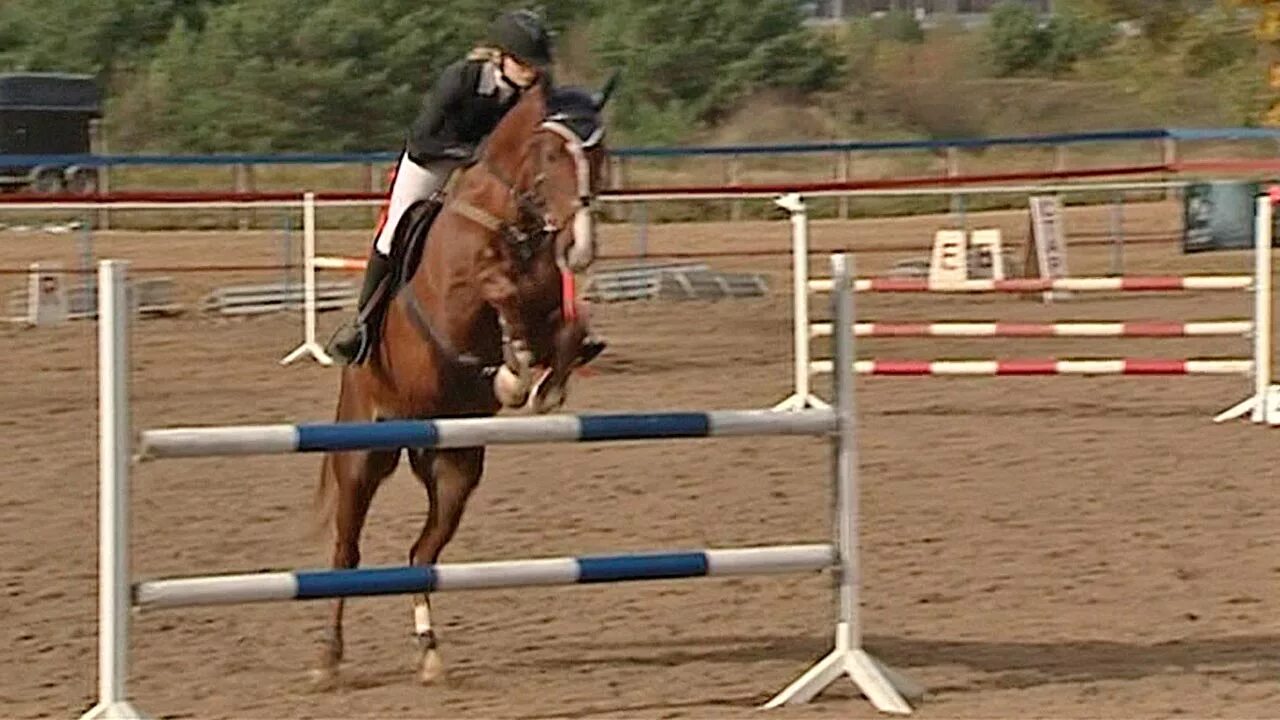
(583, 251)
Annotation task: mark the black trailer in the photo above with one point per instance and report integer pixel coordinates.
(47, 114)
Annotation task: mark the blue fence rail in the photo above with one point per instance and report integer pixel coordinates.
(1211, 134)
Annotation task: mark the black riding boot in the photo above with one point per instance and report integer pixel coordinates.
(352, 341)
(592, 346)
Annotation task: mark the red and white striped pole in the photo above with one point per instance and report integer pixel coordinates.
(1243, 328)
(1026, 285)
(1044, 366)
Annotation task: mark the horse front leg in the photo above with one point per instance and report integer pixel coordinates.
(552, 387)
(515, 377)
(449, 476)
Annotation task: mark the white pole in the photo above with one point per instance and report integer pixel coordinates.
(800, 296)
(802, 397)
(1264, 404)
(1262, 309)
(113, 493)
(846, 471)
(885, 688)
(309, 346)
(309, 265)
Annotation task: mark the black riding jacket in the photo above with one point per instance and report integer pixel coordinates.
(462, 108)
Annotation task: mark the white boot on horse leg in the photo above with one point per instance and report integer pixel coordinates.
(325, 675)
(512, 386)
(430, 664)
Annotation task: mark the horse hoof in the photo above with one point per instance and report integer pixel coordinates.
(323, 678)
(431, 667)
(511, 390)
(546, 395)
(551, 399)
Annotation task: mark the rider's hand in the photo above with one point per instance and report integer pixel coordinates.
(458, 152)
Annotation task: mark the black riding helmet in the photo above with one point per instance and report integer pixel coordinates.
(521, 34)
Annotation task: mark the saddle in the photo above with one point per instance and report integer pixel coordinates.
(407, 245)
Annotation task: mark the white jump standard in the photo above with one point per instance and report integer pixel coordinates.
(1262, 405)
(886, 690)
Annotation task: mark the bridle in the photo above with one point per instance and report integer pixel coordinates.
(525, 238)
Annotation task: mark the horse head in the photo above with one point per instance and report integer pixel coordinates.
(549, 154)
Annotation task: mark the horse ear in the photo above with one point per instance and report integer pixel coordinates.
(606, 92)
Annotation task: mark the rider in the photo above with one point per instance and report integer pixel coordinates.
(469, 99)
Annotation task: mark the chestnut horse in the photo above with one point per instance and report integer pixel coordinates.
(484, 319)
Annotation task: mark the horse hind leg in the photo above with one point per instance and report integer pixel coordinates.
(356, 477)
(449, 476)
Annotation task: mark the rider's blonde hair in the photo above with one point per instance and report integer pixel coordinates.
(485, 52)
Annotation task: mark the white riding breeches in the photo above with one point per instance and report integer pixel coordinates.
(413, 182)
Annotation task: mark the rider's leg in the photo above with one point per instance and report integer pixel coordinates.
(410, 183)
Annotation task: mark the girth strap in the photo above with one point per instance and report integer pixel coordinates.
(418, 316)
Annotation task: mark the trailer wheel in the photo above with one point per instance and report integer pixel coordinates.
(46, 180)
(80, 180)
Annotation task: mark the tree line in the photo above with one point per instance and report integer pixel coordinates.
(348, 75)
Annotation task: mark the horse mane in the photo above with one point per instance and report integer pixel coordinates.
(506, 144)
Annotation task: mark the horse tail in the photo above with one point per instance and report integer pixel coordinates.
(322, 501)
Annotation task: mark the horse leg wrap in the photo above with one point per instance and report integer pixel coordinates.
(514, 379)
(426, 640)
(331, 646)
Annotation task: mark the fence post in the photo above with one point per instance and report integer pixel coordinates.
(1169, 150)
(240, 174)
(98, 146)
(1059, 158)
(844, 171)
(641, 216)
(371, 186)
(618, 181)
(1117, 234)
(1169, 155)
(733, 170)
(953, 170)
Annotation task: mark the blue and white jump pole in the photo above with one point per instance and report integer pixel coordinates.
(884, 688)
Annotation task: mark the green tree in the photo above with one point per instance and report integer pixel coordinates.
(1072, 36)
(1159, 20)
(901, 26)
(94, 36)
(691, 60)
(1019, 42)
(1016, 41)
